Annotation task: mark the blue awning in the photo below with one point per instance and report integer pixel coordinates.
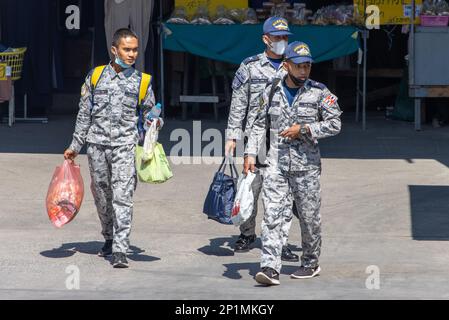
(234, 43)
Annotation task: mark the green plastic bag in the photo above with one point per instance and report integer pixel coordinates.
(155, 170)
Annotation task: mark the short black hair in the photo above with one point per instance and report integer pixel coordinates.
(122, 33)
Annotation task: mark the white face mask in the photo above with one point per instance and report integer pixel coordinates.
(279, 47)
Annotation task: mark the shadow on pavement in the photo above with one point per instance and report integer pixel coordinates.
(69, 249)
(55, 136)
(383, 139)
(222, 247)
(233, 269)
(289, 269)
(429, 212)
(219, 247)
(93, 247)
(141, 257)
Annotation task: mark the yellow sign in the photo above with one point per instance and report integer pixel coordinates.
(3, 71)
(191, 6)
(390, 11)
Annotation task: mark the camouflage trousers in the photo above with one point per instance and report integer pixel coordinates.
(248, 228)
(113, 174)
(279, 189)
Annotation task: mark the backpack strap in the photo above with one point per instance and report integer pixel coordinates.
(274, 85)
(145, 82)
(144, 85)
(96, 75)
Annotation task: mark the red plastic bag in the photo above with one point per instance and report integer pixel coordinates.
(65, 194)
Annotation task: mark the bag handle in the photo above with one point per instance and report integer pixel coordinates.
(231, 166)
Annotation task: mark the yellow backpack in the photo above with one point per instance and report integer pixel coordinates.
(145, 82)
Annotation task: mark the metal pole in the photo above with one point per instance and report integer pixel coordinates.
(411, 54)
(357, 103)
(11, 109)
(25, 106)
(25, 113)
(161, 59)
(365, 49)
(417, 114)
(411, 68)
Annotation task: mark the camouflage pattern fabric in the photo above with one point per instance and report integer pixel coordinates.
(112, 118)
(294, 166)
(113, 174)
(248, 228)
(279, 189)
(250, 80)
(315, 106)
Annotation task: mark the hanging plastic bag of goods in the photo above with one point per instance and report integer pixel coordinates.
(65, 194)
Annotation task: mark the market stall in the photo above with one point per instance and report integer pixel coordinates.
(234, 43)
(235, 35)
(429, 42)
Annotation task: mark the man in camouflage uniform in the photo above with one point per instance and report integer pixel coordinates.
(107, 121)
(297, 111)
(250, 80)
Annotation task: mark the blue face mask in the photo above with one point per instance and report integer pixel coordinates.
(120, 62)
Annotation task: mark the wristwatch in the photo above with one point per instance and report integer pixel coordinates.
(304, 130)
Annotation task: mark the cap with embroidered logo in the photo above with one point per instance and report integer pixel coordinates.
(298, 52)
(276, 26)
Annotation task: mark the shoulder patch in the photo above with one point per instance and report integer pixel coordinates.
(330, 100)
(83, 90)
(317, 84)
(239, 79)
(251, 59)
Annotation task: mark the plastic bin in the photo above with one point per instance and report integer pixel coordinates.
(14, 59)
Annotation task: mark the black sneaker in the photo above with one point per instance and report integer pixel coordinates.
(119, 260)
(106, 250)
(305, 273)
(288, 255)
(268, 276)
(243, 242)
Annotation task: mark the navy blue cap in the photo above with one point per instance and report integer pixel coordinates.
(298, 52)
(276, 26)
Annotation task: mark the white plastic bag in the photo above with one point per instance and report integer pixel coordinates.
(244, 199)
(150, 141)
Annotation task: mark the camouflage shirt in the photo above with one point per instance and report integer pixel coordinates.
(313, 105)
(249, 82)
(109, 116)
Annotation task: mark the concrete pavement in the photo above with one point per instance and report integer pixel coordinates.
(385, 204)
